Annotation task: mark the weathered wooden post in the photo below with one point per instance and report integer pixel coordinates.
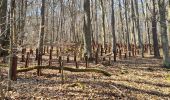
(36, 54)
(86, 60)
(125, 55)
(44, 50)
(75, 60)
(57, 51)
(23, 55)
(31, 52)
(14, 67)
(50, 57)
(68, 58)
(101, 51)
(133, 51)
(62, 73)
(60, 63)
(27, 60)
(96, 56)
(120, 54)
(75, 56)
(39, 63)
(138, 52)
(129, 53)
(47, 49)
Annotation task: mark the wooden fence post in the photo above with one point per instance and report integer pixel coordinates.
(14, 67)
(60, 63)
(86, 59)
(50, 57)
(23, 55)
(27, 60)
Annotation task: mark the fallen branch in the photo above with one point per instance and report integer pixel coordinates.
(66, 69)
(106, 55)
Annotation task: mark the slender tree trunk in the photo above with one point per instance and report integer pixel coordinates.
(133, 22)
(127, 25)
(41, 35)
(121, 20)
(138, 29)
(96, 20)
(103, 23)
(113, 31)
(148, 29)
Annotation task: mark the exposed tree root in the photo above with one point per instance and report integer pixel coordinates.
(66, 69)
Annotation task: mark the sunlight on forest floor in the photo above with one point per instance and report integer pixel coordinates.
(133, 78)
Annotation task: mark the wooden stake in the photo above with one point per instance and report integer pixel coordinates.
(86, 59)
(14, 68)
(27, 60)
(50, 57)
(60, 63)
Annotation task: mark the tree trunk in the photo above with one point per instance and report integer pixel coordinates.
(113, 31)
(154, 32)
(163, 31)
(138, 29)
(103, 23)
(127, 25)
(87, 29)
(121, 20)
(41, 35)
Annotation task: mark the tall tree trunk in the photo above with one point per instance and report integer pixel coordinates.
(87, 29)
(133, 22)
(163, 31)
(96, 24)
(12, 43)
(113, 31)
(154, 31)
(148, 29)
(41, 35)
(138, 28)
(121, 20)
(103, 23)
(127, 25)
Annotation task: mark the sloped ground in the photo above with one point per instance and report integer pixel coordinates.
(132, 79)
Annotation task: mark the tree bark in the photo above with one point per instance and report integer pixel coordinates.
(163, 31)
(113, 31)
(154, 31)
(87, 29)
(41, 35)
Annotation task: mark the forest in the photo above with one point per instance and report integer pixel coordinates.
(84, 49)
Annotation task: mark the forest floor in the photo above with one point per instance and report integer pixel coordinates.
(132, 79)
